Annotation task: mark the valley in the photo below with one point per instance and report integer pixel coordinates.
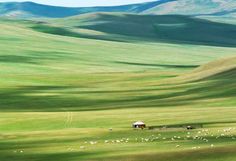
(71, 87)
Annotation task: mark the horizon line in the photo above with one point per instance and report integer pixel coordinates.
(54, 5)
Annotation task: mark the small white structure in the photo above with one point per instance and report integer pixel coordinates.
(139, 124)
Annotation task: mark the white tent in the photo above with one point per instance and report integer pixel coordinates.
(139, 124)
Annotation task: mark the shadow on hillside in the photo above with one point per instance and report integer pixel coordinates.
(160, 65)
(63, 156)
(66, 32)
(76, 98)
(221, 85)
(195, 125)
(168, 28)
(222, 153)
(33, 57)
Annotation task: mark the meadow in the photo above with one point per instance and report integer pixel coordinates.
(68, 98)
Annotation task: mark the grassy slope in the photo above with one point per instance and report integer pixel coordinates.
(44, 72)
(50, 136)
(79, 74)
(222, 69)
(123, 27)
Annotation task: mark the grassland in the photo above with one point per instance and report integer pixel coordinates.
(60, 95)
(175, 29)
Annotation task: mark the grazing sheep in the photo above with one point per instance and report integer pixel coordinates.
(82, 147)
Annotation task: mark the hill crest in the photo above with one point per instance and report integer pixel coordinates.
(158, 7)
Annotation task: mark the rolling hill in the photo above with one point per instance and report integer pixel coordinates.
(160, 7)
(77, 74)
(224, 69)
(134, 27)
(69, 94)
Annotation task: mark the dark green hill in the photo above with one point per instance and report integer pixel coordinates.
(126, 27)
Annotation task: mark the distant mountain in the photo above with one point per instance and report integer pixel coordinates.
(195, 7)
(159, 7)
(30, 9)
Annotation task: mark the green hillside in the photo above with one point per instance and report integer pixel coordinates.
(68, 98)
(131, 27)
(71, 73)
(222, 69)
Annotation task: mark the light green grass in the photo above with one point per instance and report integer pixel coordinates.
(49, 136)
(58, 92)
